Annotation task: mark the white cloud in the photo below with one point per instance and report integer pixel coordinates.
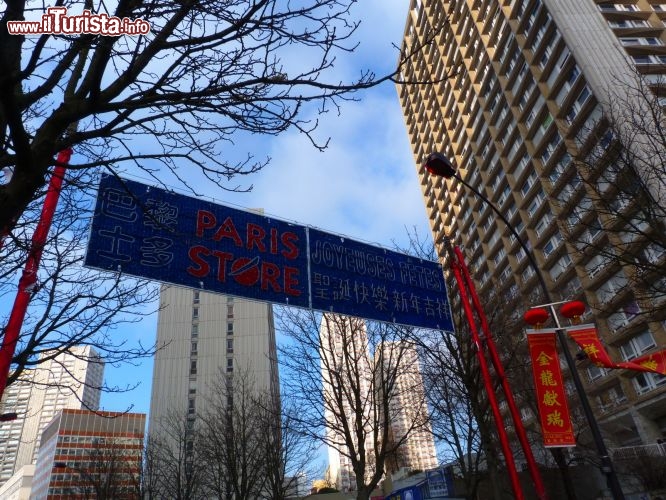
(364, 185)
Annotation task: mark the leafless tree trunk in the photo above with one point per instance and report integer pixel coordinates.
(173, 466)
(344, 374)
(233, 432)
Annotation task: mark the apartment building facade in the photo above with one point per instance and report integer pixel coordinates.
(85, 454)
(409, 411)
(68, 380)
(528, 96)
(205, 338)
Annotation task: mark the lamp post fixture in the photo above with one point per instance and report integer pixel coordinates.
(439, 165)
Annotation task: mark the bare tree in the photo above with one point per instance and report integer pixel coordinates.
(346, 376)
(173, 467)
(242, 445)
(460, 416)
(169, 100)
(291, 457)
(70, 305)
(233, 432)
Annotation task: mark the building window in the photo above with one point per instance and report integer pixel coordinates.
(230, 345)
(560, 267)
(230, 310)
(637, 346)
(596, 372)
(190, 406)
(230, 365)
(611, 288)
(230, 328)
(195, 313)
(195, 330)
(193, 367)
(645, 382)
(194, 347)
(196, 297)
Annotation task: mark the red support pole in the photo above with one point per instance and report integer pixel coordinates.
(487, 381)
(29, 276)
(499, 369)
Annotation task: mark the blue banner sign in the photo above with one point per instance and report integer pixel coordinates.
(152, 233)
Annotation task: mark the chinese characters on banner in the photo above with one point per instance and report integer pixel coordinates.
(168, 237)
(586, 338)
(551, 396)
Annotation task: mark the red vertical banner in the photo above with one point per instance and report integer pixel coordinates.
(551, 396)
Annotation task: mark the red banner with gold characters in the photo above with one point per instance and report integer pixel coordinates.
(551, 396)
(587, 339)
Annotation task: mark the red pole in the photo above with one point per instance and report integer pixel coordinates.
(499, 369)
(487, 382)
(29, 276)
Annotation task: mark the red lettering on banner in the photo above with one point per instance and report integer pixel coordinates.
(269, 275)
(228, 230)
(255, 236)
(290, 281)
(245, 271)
(205, 220)
(289, 240)
(222, 259)
(274, 241)
(202, 268)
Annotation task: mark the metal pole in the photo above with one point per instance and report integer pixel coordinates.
(29, 276)
(606, 463)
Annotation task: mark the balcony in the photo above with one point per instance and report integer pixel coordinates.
(633, 452)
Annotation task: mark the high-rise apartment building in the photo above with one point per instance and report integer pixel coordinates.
(346, 351)
(531, 84)
(68, 380)
(85, 454)
(408, 407)
(344, 341)
(204, 338)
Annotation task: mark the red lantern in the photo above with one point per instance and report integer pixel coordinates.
(573, 310)
(536, 317)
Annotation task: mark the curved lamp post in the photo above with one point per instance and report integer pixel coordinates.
(439, 165)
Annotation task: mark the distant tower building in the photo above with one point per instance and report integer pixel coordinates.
(408, 412)
(334, 332)
(69, 380)
(202, 338)
(408, 405)
(83, 452)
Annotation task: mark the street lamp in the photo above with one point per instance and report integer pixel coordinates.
(439, 165)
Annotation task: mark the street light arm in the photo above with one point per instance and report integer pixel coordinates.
(523, 245)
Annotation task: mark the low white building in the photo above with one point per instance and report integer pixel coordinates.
(18, 486)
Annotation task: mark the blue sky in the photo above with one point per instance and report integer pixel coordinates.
(363, 186)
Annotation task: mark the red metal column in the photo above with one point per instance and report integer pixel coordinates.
(29, 276)
(499, 369)
(487, 381)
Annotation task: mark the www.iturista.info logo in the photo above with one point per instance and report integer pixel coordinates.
(56, 22)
